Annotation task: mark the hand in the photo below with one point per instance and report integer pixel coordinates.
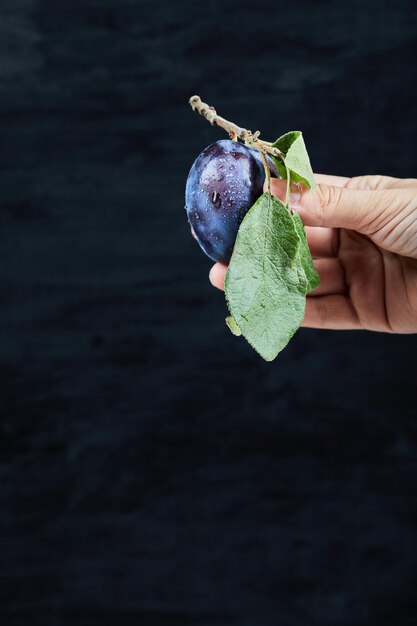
(362, 233)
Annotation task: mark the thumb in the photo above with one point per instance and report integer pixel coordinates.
(339, 207)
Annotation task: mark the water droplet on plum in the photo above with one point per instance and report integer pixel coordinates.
(216, 199)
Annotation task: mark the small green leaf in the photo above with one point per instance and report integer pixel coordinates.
(313, 279)
(233, 327)
(296, 158)
(265, 283)
(285, 142)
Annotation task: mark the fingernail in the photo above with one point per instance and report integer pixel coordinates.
(279, 189)
(295, 196)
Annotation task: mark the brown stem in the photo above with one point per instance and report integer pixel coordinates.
(267, 171)
(235, 132)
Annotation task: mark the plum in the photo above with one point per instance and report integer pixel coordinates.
(224, 182)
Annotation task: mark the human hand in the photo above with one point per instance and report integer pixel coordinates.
(362, 234)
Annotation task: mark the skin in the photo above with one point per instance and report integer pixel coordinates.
(362, 233)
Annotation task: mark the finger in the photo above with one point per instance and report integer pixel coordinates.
(327, 179)
(332, 278)
(323, 242)
(336, 181)
(340, 207)
(334, 312)
(368, 182)
(217, 274)
(373, 182)
(325, 205)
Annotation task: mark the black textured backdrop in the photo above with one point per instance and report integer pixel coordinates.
(153, 470)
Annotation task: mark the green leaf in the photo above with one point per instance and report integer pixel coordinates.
(306, 260)
(285, 142)
(233, 327)
(266, 284)
(296, 158)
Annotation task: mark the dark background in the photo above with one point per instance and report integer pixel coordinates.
(153, 469)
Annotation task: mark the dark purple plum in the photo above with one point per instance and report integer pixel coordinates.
(224, 181)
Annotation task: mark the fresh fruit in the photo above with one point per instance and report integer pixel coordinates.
(224, 182)
(271, 270)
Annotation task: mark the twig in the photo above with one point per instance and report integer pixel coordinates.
(235, 132)
(267, 171)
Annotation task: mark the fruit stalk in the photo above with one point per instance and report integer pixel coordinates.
(250, 139)
(267, 171)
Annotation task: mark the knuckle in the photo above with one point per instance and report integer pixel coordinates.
(380, 182)
(370, 182)
(365, 182)
(327, 201)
